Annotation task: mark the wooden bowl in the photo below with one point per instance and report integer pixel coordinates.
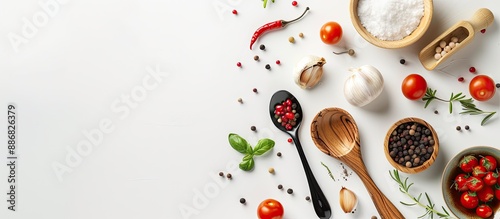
(452, 196)
(408, 40)
(426, 163)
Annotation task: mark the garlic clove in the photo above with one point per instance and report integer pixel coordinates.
(348, 200)
(309, 71)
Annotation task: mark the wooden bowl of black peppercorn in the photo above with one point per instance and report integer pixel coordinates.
(411, 145)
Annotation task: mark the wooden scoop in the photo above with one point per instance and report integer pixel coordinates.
(463, 30)
(335, 133)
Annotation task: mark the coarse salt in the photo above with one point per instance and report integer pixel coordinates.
(390, 19)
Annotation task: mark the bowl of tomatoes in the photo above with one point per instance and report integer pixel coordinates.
(470, 183)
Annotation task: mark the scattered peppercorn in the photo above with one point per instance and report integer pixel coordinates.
(301, 35)
(229, 176)
(294, 3)
(289, 191)
(498, 85)
(461, 79)
(374, 217)
(290, 140)
(280, 186)
(256, 58)
(291, 39)
(240, 100)
(238, 64)
(271, 170)
(262, 47)
(278, 154)
(402, 61)
(472, 69)
(308, 198)
(235, 12)
(483, 31)
(268, 66)
(436, 112)
(243, 201)
(253, 128)
(278, 62)
(254, 90)
(221, 174)
(466, 127)
(458, 128)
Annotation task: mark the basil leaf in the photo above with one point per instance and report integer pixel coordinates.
(238, 143)
(263, 146)
(247, 163)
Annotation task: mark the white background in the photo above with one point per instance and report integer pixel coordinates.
(165, 153)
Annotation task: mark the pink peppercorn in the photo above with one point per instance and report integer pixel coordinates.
(472, 69)
(294, 3)
(235, 12)
(278, 62)
(238, 64)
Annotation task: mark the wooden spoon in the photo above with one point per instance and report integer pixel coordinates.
(335, 133)
(463, 30)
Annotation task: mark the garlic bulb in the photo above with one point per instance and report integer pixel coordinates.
(363, 86)
(348, 200)
(308, 71)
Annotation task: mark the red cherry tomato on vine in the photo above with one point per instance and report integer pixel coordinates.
(331, 33)
(489, 162)
(484, 211)
(270, 209)
(490, 178)
(414, 87)
(469, 200)
(482, 88)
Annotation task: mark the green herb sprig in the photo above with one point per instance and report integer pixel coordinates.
(241, 145)
(468, 106)
(404, 187)
(265, 3)
(329, 172)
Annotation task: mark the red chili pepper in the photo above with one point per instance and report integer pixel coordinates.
(271, 26)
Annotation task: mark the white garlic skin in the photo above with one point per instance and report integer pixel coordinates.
(308, 71)
(363, 86)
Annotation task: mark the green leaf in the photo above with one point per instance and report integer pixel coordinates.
(488, 117)
(451, 107)
(265, 3)
(247, 163)
(263, 146)
(238, 143)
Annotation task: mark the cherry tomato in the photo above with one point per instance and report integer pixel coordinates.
(484, 211)
(490, 178)
(414, 86)
(482, 88)
(479, 171)
(489, 162)
(497, 192)
(270, 209)
(467, 163)
(461, 182)
(331, 33)
(475, 184)
(486, 194)
(469, 200)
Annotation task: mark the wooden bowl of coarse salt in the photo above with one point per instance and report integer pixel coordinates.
(391, 23)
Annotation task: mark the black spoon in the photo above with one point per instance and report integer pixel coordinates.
(320, 204)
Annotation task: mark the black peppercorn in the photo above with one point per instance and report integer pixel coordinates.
(280, 186)
(256, 58)
(268, 66)
(242, 200)
(436, 112)
(278, 154)
(467, 127)
(229, 176)
(458, 128)
(289, 191)
(253, 128)
(498, 85)
(262, 47)
(221, 174)
(254, 90)
(308, 198)
(402, 61)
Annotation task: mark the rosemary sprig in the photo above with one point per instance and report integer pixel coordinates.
(329, 172)
(468, 106)
(265, 3)
(404, 187)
